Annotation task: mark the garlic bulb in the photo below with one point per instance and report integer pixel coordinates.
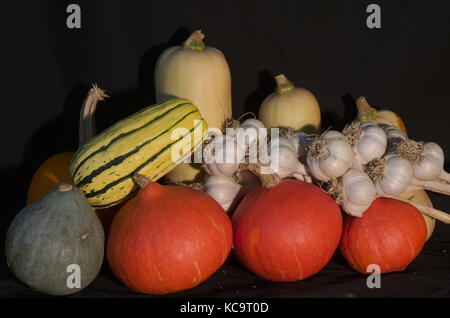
(284, 161)
(300, 141)
(427, 158)
(329, 156)
(430, 164)
(249, 129)
(223, 156)
(222, 189)
(391, 175)
(358, 192)
(394, 136)
(368, 140)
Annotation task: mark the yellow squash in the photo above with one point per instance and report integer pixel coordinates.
(142, 143)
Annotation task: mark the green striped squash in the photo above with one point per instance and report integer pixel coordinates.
(103, 167)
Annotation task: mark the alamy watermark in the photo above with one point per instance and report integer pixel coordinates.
(374, 279)
(74, 279)
(373, 21)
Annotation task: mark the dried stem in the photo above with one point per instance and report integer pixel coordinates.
(445, 176)
(87, 114)
(267, 180)
(335, 189)
(195, 41)
(316, 147)
(283, 84)
(365, 111)
(141, 180)
(64, 187)
(352, 132)
(409, 149)
(375, 169)
(435, 186)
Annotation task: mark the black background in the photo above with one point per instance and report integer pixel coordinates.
(325, 46)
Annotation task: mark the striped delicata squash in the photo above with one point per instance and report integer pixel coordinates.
(141, 143)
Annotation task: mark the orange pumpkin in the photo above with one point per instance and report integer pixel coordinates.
(168, 238)
(390, 234)
(55, 170)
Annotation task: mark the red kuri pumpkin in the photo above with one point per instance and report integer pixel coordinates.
(390, 234)
(286, 232)
(168, 238)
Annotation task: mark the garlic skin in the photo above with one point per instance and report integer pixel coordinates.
(394, 135)
(396, 178)
(371, 143)
(227, 157)
(431, 163)
(335, 158)
(300, 141)
(285, 162)
(222, 189)
(358, 192)
(249, 129)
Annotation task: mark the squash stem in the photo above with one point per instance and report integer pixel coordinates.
(141, 180)
(283, 84)
(267, 180)
(87, 122)
(64, 187)
(195, 41)
(365, 111)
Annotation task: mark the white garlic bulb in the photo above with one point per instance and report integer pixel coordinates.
(394, 136)
(371, 143)
(358, 192)
(249, 131)
(223, 189)
(284, 161)
(300, 141)
(330, 156)
(223, 156)
(394, 176)
(431, 163)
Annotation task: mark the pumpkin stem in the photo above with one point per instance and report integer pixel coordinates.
(141, 180)
(87, 122)
(365, 111)
(195, 41)
(283, 84)
(267, 180)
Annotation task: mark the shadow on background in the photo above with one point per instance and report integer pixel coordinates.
(331, 119)
(266, 86)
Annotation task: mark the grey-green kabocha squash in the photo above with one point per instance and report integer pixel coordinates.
(49, 235)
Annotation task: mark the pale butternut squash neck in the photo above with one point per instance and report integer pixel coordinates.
(195, 41)
(87, 114)
(283, 84)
